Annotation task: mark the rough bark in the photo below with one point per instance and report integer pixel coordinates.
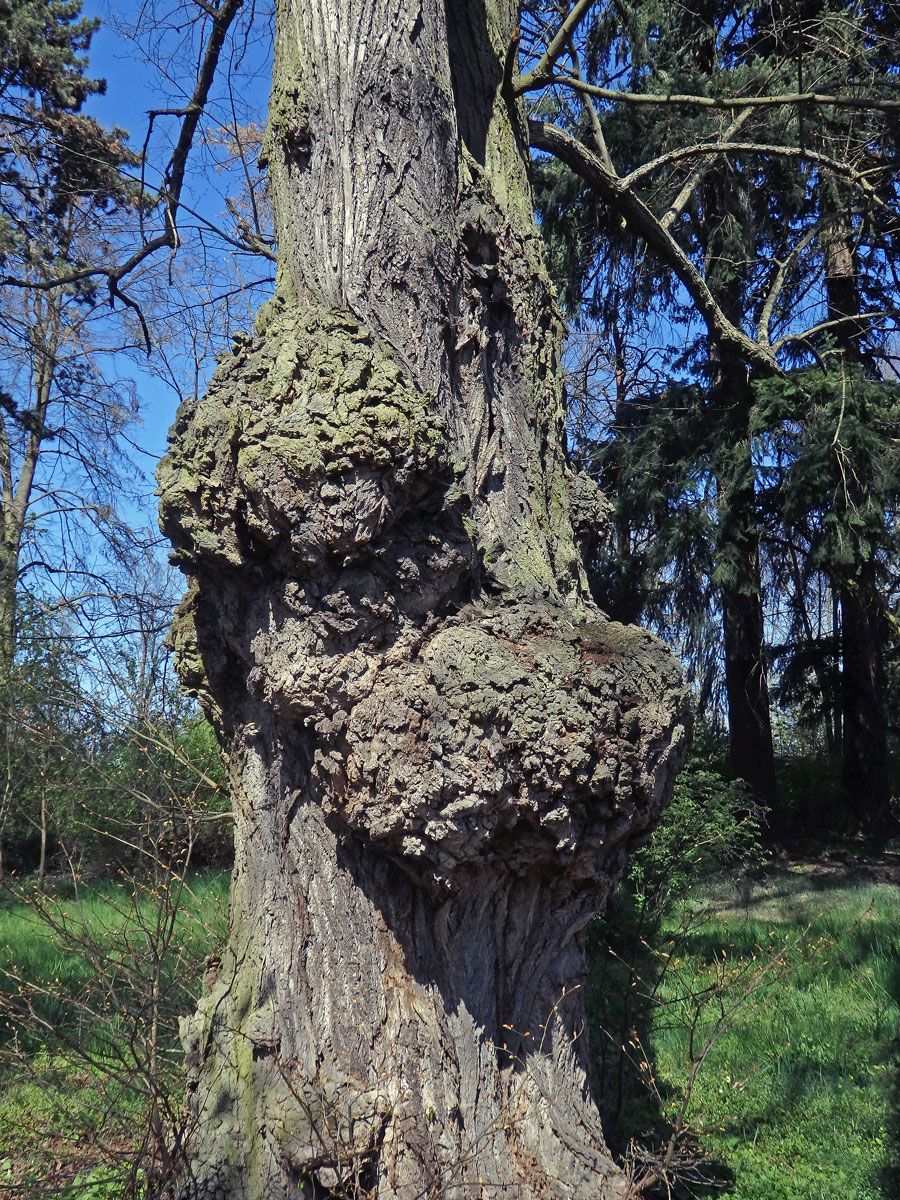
(439, 751)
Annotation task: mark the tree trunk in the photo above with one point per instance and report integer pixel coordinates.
(749, 728)
(726, 237)
(865, 764)
(751, 750)
(42, 860)
(439, 751)
(837, 706)
(865, 759)
(9, 581)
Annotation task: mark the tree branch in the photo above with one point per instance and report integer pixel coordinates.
(173, 181)
(529, 83)
(541, 72)
(780, 277)
(676, 208)
(174, 177)
(870, 317)
(641, 221)
(762, 148)
(593, 115)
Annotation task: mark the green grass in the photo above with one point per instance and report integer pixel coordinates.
(104, 907)
(78, 1059)
(797, 1098)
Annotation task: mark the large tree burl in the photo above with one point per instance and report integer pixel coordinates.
(510, 734)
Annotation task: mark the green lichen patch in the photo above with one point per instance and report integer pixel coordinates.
(188, 658)
(337, 397)
(520, 735)
(311, 435)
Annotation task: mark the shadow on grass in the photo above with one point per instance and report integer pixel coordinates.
(635, 1105)
(889, 1177)
(795, 890)
(826, 1038)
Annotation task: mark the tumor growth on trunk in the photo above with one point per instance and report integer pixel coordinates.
(440, 751)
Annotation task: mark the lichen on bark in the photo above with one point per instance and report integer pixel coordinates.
(308, 441)
(440, 751)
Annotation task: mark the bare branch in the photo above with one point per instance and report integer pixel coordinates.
(643, 222)
(594, 117)
(761, 148)
(855, 318)
(676, 208)
(540, 74)
(116, 293)
(221, 23)
(173, 181)
(780, 277)
(528, 83)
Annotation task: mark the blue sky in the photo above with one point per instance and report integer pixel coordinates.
(129, 95)
(133, 88)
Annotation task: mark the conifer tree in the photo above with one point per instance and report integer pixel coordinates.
(713, 134)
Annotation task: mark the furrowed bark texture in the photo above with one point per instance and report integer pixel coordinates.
(440, 752)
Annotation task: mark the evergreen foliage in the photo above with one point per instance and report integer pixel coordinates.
(745, 494)
(52, 156)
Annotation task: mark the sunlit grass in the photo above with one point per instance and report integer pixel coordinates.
(798, 1097)
(85, 1037)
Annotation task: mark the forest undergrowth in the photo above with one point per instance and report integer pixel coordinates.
(95, 975)
(744, 1018)
(745, 1010)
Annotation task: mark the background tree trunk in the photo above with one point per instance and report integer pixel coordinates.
(727, 238)
(439, 751)
(865, 760)
(751, 749)
(865, 764)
